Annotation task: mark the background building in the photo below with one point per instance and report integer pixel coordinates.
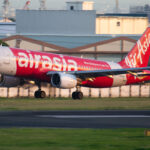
(78, 19)
(7, 28)
(80, 5)
(140, 9)
(121, 23)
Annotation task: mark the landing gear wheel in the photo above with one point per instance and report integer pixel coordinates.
(80, 95)
(77, 95)
(74, 95)
(39, 94)
(43, 94)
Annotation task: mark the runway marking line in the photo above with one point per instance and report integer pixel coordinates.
(93, 116)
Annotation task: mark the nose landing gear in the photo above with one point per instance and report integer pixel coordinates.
(77, 94)
(39, 93)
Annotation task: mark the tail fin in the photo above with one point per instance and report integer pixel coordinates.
(139, 54)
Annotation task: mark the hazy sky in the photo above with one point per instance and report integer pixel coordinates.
(100, 5)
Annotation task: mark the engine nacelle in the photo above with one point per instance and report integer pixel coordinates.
(62, 80)
(9, 81)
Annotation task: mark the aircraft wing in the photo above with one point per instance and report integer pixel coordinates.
(109, 73)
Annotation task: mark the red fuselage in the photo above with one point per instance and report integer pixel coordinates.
(35, 65)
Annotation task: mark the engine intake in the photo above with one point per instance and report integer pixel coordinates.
(62, 80)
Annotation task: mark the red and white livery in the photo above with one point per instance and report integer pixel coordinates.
(17, 65)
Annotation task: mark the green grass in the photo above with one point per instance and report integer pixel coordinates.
(68, 104)
(73, 139)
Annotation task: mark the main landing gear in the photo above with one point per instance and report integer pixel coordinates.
(39, 93)
(77, 95)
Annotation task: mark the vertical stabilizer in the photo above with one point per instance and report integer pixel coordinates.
(140, 53)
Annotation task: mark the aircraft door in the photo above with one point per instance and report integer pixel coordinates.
(6, 55)
(1, 60)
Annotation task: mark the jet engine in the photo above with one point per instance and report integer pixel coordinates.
(9, 81)
(62, 80)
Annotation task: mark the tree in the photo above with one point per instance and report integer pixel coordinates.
(3, 43)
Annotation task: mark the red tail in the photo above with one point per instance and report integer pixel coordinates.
(139, 54)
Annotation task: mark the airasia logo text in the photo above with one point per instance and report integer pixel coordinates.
(44, 61)
(138, 56)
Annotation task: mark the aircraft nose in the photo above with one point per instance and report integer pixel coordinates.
(2, 50)
(1, 53)
(7, 61)
(1, 78)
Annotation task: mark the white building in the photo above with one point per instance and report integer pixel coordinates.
(7, 27)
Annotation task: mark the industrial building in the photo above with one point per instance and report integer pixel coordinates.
(140, 9)
(79, 18)
(7, 29)
(58, 22)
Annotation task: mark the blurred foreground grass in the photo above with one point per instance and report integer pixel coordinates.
(69, 104)
(73, 139)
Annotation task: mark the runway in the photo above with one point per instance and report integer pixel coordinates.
(76, 119)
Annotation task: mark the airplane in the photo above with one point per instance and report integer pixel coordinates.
(18, 66)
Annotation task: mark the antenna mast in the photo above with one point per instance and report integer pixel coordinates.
(117, 6)
(42, 5)
(5, 9)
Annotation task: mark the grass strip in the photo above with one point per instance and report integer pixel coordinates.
(68, 104)
(73, 139)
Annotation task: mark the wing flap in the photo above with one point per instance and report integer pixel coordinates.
(100, 73)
